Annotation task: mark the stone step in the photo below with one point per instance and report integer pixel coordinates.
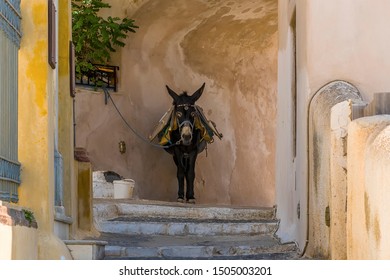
(86, 249)
(142, 229)
(108, 208)
(182, 227)
(123, 246)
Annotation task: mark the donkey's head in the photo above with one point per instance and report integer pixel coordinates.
(185, 112)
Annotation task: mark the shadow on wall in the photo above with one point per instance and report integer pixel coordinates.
(230, 46)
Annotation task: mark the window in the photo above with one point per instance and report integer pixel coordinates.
(10, 36)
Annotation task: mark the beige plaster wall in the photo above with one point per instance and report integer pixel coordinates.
(340, 44)
(18, 243)
(288, 201)
(332, 43)
(377, 194)
(341, 117)
(325, 183)
(229, 45)
(363, 216)
(18, 237)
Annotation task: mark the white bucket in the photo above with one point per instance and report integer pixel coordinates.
(123, 188)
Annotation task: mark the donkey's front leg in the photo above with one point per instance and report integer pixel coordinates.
(190, 177)
(180, 179)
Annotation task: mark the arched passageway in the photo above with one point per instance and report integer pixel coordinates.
(229, 45)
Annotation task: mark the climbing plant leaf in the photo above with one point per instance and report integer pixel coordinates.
(95, 37)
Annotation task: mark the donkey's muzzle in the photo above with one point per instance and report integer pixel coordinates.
(186, 134)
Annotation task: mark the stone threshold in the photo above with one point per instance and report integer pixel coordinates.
(86, 249)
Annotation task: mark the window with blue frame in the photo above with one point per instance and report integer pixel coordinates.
(10, 35)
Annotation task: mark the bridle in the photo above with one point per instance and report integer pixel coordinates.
(186, 123)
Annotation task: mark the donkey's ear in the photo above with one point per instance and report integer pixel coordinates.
(172, 93)
(197, 94)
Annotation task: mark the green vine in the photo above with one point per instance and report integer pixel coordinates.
(95, 37)
(29, 216)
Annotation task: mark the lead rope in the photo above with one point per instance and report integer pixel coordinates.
(108, 96)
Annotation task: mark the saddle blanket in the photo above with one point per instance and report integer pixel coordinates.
(168, 123)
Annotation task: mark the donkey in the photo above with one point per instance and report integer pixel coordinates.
(187, 139)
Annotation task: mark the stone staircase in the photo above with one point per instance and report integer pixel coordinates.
(141, 229)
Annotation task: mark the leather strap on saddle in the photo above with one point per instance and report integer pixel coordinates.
(208, 127)
(168, 123)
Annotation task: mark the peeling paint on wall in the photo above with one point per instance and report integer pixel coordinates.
(40, 74)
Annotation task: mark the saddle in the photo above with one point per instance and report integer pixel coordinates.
(168, 124)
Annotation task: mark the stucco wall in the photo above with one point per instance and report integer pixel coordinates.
(377, 195)
(18, 236)
(65, 113)
(37, 83)
(292, 226)
(332, 43)
(339, 43)
(230, 46)
(367, 218)
(325, 191)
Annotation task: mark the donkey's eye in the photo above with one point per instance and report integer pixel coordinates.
(179, 114)
(193, 114)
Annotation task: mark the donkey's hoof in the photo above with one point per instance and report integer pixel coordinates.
(191, 201)
(180, 200)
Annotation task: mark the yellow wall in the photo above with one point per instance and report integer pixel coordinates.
(65, 113)
(37, 86)
(84, 194)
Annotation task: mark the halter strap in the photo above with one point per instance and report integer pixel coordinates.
(186, 122)
(185, 105)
